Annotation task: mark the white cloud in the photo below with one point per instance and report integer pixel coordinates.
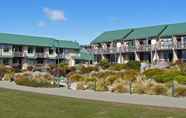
(41, 24)
(54, 14)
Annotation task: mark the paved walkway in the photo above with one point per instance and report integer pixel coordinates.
(160, 101)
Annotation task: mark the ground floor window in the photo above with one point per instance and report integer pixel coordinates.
(6, 61)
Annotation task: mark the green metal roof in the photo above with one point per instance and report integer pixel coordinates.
(175, 29)
(141, 33)
(84, 55)
(112, 36)
(15, 39)
(146, 32)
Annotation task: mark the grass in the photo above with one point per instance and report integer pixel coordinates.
(16, 104)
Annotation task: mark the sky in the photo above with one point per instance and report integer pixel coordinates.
(84, 20)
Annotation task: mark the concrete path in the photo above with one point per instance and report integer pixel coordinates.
(159, 101)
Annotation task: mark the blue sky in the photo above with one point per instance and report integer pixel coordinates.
(83, 20)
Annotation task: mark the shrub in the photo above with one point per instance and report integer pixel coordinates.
(181, 79)
(81, 86)
(58, 72)
(76, 77)
(8, 76)
(134, 65)
(84, 70)
(158, 89)
(130, 74)
(63, 66)
(182, 68)
(104, 74)
(167, 76)
(30, 68)
(181, 91)
(89, 79)
(120, 88)
(117, 67)
(163, 76)
(91, 85)
(33, 83)
(152, 73)
(139, 88)
(100, 85)
(110, 79)
(104, 64)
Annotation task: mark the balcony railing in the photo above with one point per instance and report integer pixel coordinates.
(145, 48)
(61, 56)
(40, 55)
(140, 48)
(18, 54)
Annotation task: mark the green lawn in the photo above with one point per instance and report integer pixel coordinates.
(15, 104)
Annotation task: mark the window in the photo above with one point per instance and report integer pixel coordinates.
(30, 50)
(6, 61)
(51, 51)
(184, 39)
(149, 42)
(59, 50)
(6, 49)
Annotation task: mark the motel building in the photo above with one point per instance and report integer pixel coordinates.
(146, 44)
(30, 50)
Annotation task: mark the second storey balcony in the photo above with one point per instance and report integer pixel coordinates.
(112, 50)
(40, 55)
(18, 54)
(60, 55)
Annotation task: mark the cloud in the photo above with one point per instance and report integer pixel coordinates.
(41, 24)
(54, 14)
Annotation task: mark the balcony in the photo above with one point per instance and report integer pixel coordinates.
(61, 56)
(113, 50)
(40, 55)
(18, 54)
(145, 48)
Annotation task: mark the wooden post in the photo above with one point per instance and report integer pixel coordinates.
(130, 87)
(173, 89)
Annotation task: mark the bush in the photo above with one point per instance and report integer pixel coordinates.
(81, 86)
(134, 65)
(33, 83)
(163, 76)
(104, 64)
(84, 70)
(130, 74)
(182, 68)
(58, 72)
(6, 73)
(100, 85)
(181, 79)
(76, 77)
(91, 85)
(30, 68)
(120, 88)
(89, 79)
(117, 67)
(139, 88)
(110, 79)
(8, 76)
(181, 91)
(152, 73)
(104, 74)
(158, 89)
